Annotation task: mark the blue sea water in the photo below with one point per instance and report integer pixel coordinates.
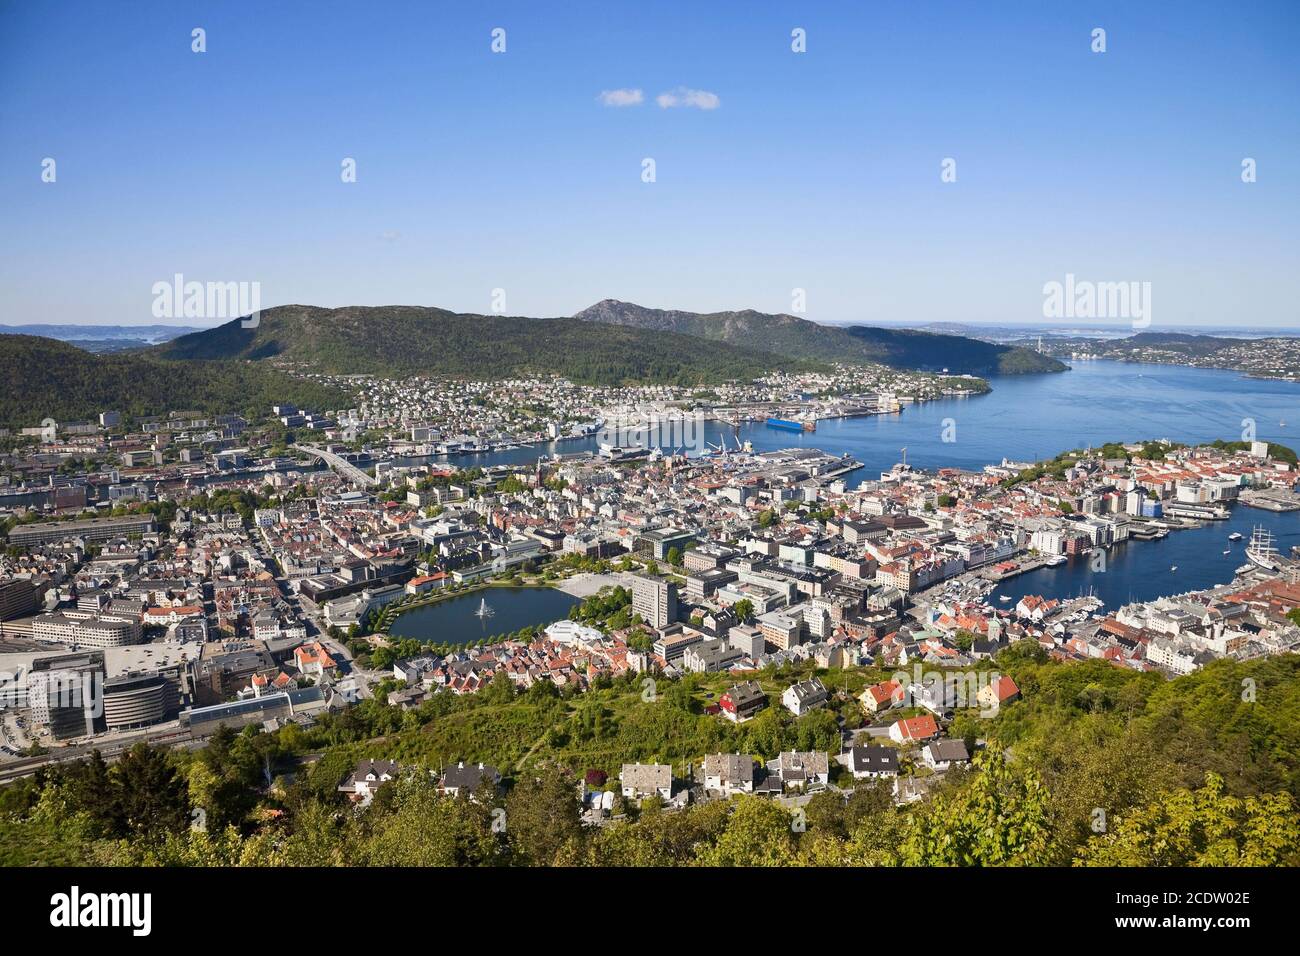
(1026, 417)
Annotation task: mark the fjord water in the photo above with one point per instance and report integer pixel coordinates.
(1025, 417)
(1037, 416)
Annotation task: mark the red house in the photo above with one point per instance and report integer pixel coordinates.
(742, 701)
(914, 728)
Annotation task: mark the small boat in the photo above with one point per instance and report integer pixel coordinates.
(1229, 551)
(1235, 536)
(1004, 597)
(1173, 567)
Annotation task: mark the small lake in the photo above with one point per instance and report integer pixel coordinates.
(455, 620)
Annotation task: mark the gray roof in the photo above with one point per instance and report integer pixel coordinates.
(811, 689)
(946, 750)
(380, 768)
(729, 768)
(746, 693)
(873, 757)
(647, 776)
(465, 776)
(795, 765)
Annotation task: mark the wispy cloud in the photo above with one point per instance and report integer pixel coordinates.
(622, 97)
(682, 96)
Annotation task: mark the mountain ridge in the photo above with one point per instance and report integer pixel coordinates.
(404, 340)
(796, 337)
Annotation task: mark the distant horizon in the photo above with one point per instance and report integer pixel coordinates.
(1116, 329)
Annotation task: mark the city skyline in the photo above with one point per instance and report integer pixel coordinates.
(775, 171)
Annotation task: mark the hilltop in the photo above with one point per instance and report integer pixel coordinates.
(794, 337)
(403, 340)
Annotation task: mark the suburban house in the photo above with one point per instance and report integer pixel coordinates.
(416, 670)
(942, 754)
(871, 760)
(799, 770)
(913, 728)
(468, 778)
(407, 697)
(881, 696)
(742, 701)
(805, 696)
(361, 784)
(641, 780)
(729, 774)
(999, 692)
(939, 697)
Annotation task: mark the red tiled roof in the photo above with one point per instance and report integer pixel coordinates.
(918, 728)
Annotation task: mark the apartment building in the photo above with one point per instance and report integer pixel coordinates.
(655, 600)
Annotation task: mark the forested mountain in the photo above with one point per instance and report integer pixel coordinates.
(44, 378)
(799, 338)
(401, 340)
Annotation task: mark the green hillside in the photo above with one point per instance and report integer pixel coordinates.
(799, 338)
(907, 348)
(402, 340)
(49, 379)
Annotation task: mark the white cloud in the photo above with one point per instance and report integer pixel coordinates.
(700, 99)
(622, 97)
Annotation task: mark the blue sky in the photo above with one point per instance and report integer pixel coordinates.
(819, 171)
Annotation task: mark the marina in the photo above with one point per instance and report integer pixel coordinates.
(1191, 558)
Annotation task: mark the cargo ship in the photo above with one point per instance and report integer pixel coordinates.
(791, 426)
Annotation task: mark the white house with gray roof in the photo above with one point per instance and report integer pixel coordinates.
(641, 780)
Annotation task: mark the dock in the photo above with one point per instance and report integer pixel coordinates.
(1272, 499)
